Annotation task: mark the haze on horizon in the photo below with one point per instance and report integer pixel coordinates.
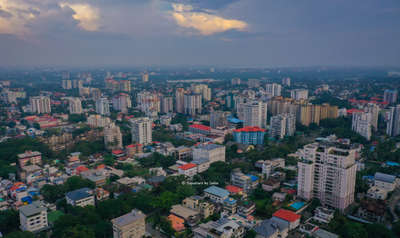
(248, 33)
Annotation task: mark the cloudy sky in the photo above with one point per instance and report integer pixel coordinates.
(259, 33)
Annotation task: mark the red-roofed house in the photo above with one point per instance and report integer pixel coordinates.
(188, 169)
(353, 110)
(134, 149)
(118, 153)
(234, 189)
(80, 169)
(177, 223)
(202, 129)
(292, 218)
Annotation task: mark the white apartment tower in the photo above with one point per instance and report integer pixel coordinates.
(102, 106)
(361, 124)
(141, 129)
(192, 104)
(40, 104)
(299, 94)
(112, 137)
(167, 104)
(180, 100)
(202, 89)
(255, 114)
(393, 123)
(282, 125)
(327, 171)
(75, 106)
(273, 89)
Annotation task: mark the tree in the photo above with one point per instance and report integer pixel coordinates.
(9, 221)
(20, 234)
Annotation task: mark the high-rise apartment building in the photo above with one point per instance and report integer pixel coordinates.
(75, 106)
(180, 100)
(390, 96)
(253, 83)
(255, 114)
(98, 121)
(218, 119)
(167, 104)
(361, 124)
(102, 106)
(393, 123)
(374, 110)
(122, 102)
(148, 102)
(141, 129)
(40, 104)
(112, 137)
(282, 125)
(273, 89)
(327, 171)
(192, 104)
(299, 94)
(66, 84)
(202, 89)
(235, 81)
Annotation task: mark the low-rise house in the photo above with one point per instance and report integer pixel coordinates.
(376, 192)
(33, 217)
(230, 206)
(271, 184)
(246, 208)
(80, 197)
(197, 203)
(130, 225)
(131, 181)
(233, 190)
(216, 194)
(246, 181)
(292, 219)
(272, 229)
(385, 181)
(177, 223)
(279, 196)
(189, 169)
(372, 210)
(223, 228)
(190, 216)
(323, 215)
(183, 153)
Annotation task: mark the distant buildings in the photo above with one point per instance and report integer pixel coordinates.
(112, 137)
(273, 89)
(141, 129)
(149, 103)
(327, 171)
(75, 106)
(393, 123)
(286, 81)
(81, 197)
(145, 77)
(361, 124)
(202, 89)
(33, 217)
(282, 125)
(299, 94)
(249, 135)
(66, 84)
(102, 106)
(390, 96)
(40, 104)
(130, 225)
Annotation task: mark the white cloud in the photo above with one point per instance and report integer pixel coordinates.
(87, 16)
(204, 22)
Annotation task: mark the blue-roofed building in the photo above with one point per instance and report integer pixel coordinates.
(216, 194)
(246, 181)
(385, 181)
(80, 197)
(230, 206)
(234, 120)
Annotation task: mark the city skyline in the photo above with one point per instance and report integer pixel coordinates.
(238, 33)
